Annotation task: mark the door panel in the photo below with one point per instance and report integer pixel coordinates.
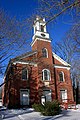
(47, 94)
(63, 94)
(24, 97)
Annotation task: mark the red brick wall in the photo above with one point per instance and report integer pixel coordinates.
(39, 45)
(31, 83)
(66, 84)
(35, 83)
(57, 62)
(45, 63)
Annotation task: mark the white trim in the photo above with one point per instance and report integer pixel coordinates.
(64, 67)
(49, 76)
(29, 63)
(27, 73)
(22, 89)
(37, 38)
(64, 92)
(46, 52)
(60, 59)
(62, 76)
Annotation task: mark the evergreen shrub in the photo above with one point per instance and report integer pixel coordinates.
(49, 108)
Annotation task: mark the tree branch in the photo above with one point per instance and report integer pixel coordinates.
(72, 5)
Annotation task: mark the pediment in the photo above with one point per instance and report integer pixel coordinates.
(59, 60)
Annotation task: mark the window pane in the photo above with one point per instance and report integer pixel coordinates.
(24, 74)
(45, 74)
(63, 95)
(61, 76)
(44, 52)
(47, 94)
(42, 28)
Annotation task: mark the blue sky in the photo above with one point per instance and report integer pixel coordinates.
(25, 8)
(19, 7)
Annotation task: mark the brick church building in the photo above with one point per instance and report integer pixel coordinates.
(37, 76)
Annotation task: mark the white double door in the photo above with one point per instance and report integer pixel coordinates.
(24, 97)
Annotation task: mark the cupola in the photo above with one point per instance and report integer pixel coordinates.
(40, 32)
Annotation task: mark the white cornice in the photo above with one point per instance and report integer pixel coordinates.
(60, 59)
(63, 67)
(37, 38)
(28, 63)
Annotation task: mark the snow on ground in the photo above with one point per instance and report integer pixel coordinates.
(5, 113)
(77, 108)
(30, 114)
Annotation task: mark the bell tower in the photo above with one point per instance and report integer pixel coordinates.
(40, 32)
(41, 40)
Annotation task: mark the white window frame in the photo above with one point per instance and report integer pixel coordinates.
(62, 75)
(46, 53)
(27, 73)
(49, 76)
(64, 92)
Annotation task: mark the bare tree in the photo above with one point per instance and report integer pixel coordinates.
(76, 34)
(14, 36)
(52, 9)
(14, 39)
(69, 47)
(69, 50)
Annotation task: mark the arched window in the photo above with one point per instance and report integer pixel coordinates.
(61, 76)
(45, 53)
(45, 74)
(24, 74)
(42, 28)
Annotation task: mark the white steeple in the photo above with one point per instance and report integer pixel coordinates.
(40, 32)
(39, 25)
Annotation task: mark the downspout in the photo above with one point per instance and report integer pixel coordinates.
(55, 79)
(55, 83)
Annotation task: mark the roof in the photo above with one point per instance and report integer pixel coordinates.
(23, 56)
(60, 59)
(18, 59)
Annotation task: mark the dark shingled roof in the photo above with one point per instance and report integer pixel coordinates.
(24, 55)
